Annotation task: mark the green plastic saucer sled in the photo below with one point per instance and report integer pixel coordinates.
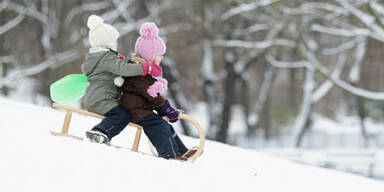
(69, 88)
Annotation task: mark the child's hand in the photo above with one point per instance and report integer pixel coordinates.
(169, 111)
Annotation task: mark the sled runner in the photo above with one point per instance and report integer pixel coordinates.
(70, 110)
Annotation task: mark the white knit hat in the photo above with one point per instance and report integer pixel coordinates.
(102, 34)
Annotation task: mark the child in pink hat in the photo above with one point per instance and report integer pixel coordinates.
(141, 95)
(151, 47)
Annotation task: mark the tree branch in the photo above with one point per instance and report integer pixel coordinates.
(286, 64)
(341, 32)
(27, 11)
(324, 88)
(54, 61)
(254, 45)
(83, 8)
(343, 47)
(365, 94)
(11, 24)
(245, 8)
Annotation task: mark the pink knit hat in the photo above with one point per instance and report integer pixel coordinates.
(149, 44)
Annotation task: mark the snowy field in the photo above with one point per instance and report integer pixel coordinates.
(334, 144)
(33, 160)
(366, 162)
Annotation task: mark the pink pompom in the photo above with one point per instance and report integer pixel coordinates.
(149, 30)
(159, 86)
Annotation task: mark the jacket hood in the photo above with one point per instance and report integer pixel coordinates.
(92, 59)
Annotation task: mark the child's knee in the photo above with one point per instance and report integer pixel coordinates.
(125, 118)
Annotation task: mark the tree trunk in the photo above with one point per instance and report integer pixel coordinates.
(229, 89)
(264, 92)
(213, 107)
(292, 89)
(246, 103)
(306, 127)
(362, 114)
(4, 73)
(175, 91)
(3, 52)
(265, 117)
(303, 120)
(355, 79)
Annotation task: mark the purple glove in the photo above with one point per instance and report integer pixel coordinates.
(169, 111)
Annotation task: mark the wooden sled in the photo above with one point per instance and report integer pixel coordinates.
(68, 115)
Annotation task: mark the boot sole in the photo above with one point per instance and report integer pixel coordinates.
(97, 137)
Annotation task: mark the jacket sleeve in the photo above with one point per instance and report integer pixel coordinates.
(155, 102)
(113, 64)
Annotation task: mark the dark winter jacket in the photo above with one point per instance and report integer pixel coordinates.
(136, 100)
(101, 68)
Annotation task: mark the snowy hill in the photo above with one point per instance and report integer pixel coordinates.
(33, 160)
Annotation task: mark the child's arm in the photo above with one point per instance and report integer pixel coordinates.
(160, 104)
(142, 88)
(112, 63)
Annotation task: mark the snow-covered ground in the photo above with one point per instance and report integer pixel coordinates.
(33, 160)
(363, 161)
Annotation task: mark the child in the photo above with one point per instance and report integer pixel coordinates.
(102, 65)
(137, 99)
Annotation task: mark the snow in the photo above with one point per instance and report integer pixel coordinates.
(33, 160)
(360, 52)
(367, 162)
(377, 7)
(344, 125)
(207, 65)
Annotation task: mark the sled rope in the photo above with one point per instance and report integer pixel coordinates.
(68, 116)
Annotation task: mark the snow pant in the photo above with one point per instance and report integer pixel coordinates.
(114, 122)
(162, 136)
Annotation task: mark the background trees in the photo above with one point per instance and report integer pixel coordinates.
(280, 62)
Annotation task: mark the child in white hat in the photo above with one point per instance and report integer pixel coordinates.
(101, 66)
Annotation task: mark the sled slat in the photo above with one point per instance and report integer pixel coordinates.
(137, 140)
(78, 110)
(201, 135)
(67, 120)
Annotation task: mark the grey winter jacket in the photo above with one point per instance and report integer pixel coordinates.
(102, 95)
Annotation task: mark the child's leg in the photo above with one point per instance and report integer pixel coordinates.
(180, 144)
(114, 122)
(161, 136)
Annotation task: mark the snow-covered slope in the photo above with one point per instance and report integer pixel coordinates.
(33, 160)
